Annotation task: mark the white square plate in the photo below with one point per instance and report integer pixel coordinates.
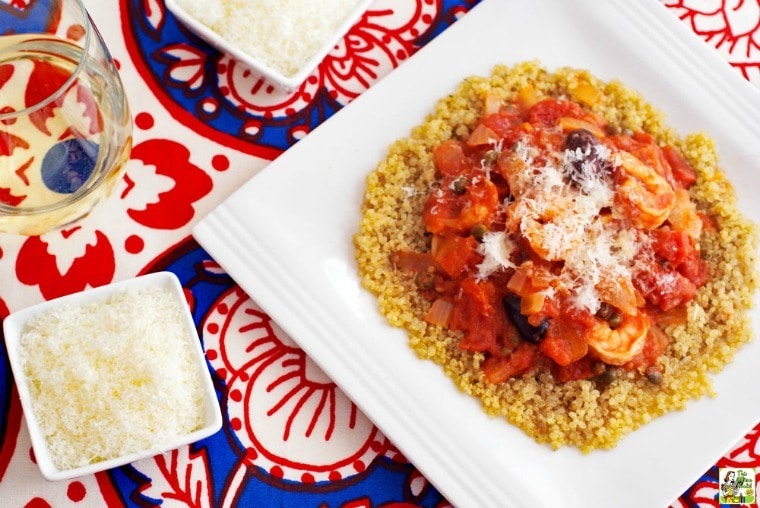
(288, 82)
(286, 238)
(14, 326)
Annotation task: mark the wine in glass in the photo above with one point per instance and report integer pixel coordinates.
(65, 126)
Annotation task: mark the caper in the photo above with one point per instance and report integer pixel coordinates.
(459, 185)
(608, 376)
(605, 311)
(615, 320)
(425, 280)
(478, 231)
(654, 374)
(490, 156)
(598, 368)
(608, 313)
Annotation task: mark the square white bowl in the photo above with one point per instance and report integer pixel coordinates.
(16, 323)
(289, 83)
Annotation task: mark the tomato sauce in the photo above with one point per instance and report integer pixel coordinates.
(555, 244)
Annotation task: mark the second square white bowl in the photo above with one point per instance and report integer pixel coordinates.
(15, 326)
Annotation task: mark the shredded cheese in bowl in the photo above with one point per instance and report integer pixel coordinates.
(110, 379)
(283, 35)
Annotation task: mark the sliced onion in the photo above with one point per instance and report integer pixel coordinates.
(571, 124)
(440, 312)
(492, 104)
(481, 136)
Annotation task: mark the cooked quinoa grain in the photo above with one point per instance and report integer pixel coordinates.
(587, 414)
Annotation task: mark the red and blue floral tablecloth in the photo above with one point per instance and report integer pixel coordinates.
(205, 124)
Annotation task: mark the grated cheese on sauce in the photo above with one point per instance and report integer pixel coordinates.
(566, 223)
(111, 378)
(496, 249)
(283, 34)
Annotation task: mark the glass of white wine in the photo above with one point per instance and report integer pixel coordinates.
(65, 126)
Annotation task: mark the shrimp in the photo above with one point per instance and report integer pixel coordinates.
(684, 215)
(643, 194)
(552, 239)
(619, 345)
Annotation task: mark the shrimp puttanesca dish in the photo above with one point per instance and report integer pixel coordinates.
(557, 242)
(561, 252)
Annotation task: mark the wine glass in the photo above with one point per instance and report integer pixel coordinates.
(65, 126)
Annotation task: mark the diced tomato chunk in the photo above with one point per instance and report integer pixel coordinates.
(580, 369)
(449, 158)
(564, 341)
(453, 252)
(504, 124)
(695, 269)
(476, 315)
(643, 137)
(547, 112)
(655, 345)
(681, 253)
(472, 303)
(412, 261)
(663, 287)
(447, 211)
(672, 246)
(683, 172)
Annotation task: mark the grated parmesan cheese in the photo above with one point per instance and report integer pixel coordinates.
(111, 378)
(565, 222)
(496, 249)
(283, 34)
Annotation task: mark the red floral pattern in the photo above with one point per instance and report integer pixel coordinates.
(732, 27)
(186, 184)
(187, 65)
(286, 414)
(746, 453)
(37, 266)
(378, 43)
(184, 477)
